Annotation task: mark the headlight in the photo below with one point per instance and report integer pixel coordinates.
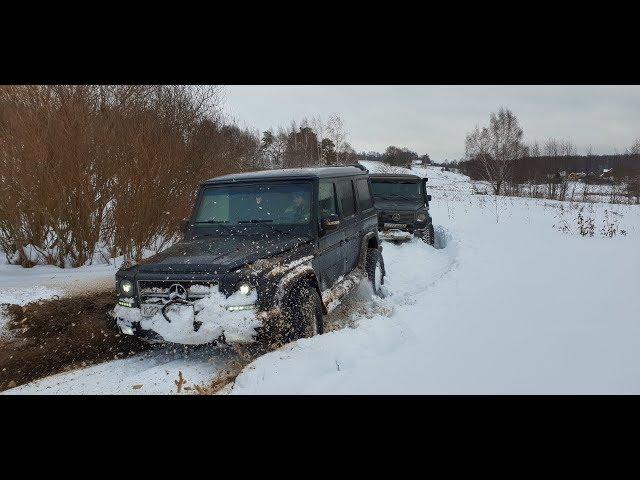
(244, 298)
(421, 217)
(244, 288)
(126, 288)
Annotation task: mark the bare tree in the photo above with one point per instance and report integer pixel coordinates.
(496, 147)
(534, 149)
(337, 134)
(319, 128)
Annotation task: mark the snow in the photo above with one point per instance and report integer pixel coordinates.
(508, 305)
(47, 281)
(23, 285)
(151, 373)
(508, 302)
(237, 326)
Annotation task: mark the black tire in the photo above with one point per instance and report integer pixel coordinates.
(302, 312)
(374, 261)
(428, 235)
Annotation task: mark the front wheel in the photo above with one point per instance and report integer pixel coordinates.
(300, 317)
(303, 312)
(375, 270)
(428, 235)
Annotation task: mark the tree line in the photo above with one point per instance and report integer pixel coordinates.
(395, 156)
(498, 155)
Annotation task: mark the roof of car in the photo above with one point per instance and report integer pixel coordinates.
(395, 176)
(319, 172)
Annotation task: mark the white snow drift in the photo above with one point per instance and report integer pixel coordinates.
(513, 300)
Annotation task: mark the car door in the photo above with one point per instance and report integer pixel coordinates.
(367, 215)
(330, 259)
(349, 223)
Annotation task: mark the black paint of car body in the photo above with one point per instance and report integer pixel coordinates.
(265, 255)
(403, 213)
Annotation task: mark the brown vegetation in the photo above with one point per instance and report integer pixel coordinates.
(113, 166)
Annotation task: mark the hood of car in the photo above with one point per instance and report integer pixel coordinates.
(399, 205)
(217, 254)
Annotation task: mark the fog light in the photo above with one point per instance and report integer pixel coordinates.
(238, 308)
(245, 289)
(421, 217)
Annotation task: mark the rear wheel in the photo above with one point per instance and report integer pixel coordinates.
(375, 270)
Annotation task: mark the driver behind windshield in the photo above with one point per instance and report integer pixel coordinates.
(298, 211)
(240, 204)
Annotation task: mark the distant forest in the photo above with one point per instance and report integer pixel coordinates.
(530, 168)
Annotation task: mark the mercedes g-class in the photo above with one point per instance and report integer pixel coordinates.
(403, 205)
(264, 256)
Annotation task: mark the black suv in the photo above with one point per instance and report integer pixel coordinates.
(403, 205)
(264, 256)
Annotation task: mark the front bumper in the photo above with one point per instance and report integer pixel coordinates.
(209, 319)
(401, 221)
(187, 328)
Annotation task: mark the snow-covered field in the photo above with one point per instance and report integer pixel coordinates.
(513, 300)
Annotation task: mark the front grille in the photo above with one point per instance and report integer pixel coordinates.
(150, 290)
(402, 217)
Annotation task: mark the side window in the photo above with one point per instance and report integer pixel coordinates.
(345, 194)
(327, 199)
(364, 196)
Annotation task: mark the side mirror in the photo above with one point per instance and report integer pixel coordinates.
(184, 225)
(332, 222)
(428, 198)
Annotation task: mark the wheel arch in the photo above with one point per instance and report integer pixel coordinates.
(306, 275)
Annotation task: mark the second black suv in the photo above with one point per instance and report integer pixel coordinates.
(403, 205)
(265, 255)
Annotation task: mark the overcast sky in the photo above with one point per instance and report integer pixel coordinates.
(434, 119)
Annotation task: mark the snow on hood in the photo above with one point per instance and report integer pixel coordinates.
(220, 254)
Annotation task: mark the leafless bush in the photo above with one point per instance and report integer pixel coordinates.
(611, 227)
(117, 166)
(586, 226)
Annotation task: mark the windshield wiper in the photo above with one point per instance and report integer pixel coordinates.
(264, 221)
(214, 221)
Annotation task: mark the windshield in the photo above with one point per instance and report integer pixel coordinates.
(396, 189)
(276, 204)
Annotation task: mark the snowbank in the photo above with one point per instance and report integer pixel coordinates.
(511, 304)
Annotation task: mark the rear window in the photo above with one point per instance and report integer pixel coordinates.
(364, 197)
(345, 195)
